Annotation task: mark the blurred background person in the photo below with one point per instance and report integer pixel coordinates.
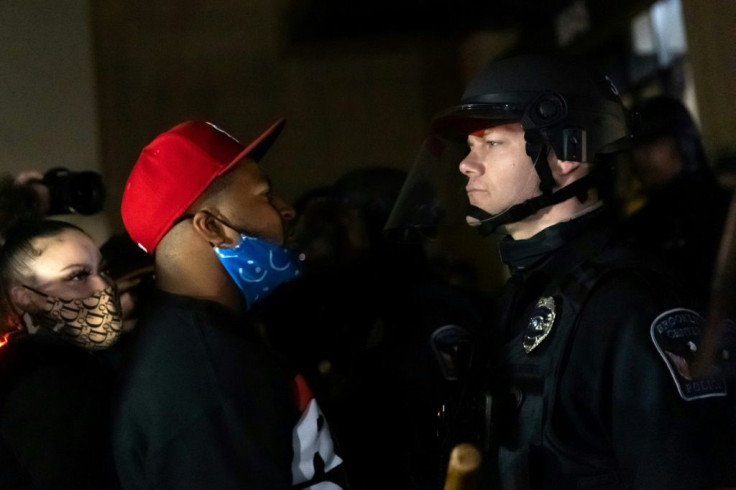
(61, 315)
(684, 207)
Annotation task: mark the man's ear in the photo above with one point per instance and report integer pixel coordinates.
(206, 226)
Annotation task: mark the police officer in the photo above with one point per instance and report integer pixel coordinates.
(589, 374)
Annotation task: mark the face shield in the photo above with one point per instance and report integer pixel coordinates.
(433, 195)
(434, 200)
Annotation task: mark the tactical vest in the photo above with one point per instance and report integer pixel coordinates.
(532, 382)
(521, 404)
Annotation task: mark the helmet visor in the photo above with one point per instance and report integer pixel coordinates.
(468, 118)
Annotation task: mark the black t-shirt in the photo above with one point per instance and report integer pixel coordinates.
(204, 404)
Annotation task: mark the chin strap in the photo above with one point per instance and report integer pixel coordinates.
(489, 222)
(538, 150)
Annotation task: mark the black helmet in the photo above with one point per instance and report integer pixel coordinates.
(573, 107)
(561, 103)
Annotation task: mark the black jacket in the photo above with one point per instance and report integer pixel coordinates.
(604, 400)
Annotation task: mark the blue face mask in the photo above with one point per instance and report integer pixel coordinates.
(258, 266)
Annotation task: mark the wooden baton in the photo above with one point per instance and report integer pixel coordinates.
(463, 469)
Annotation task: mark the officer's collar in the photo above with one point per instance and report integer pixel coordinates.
(522, 255)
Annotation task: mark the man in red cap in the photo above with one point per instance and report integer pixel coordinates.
(204, 403)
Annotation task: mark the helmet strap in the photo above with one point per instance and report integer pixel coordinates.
(538, 150)
(489, 222)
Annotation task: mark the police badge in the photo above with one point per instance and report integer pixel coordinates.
(540, 324)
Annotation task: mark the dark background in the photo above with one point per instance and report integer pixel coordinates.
(88, 83)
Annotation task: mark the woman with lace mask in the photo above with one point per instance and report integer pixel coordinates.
(60, 316)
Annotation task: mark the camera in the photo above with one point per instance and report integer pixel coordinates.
(74, 192)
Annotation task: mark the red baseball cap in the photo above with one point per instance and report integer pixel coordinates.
(173, 171)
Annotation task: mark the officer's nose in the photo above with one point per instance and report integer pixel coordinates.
(470, 165)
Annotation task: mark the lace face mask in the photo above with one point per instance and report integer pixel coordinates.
(92, 323)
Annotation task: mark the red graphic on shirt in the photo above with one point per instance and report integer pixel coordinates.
(302, 392)
(314, 450)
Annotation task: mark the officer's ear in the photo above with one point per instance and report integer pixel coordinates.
(567, 167)
(210, 229)
(565, 171)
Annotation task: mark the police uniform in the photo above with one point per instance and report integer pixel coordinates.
(591, 373)
(591, 376)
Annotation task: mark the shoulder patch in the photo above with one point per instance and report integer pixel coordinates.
(677, 334)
